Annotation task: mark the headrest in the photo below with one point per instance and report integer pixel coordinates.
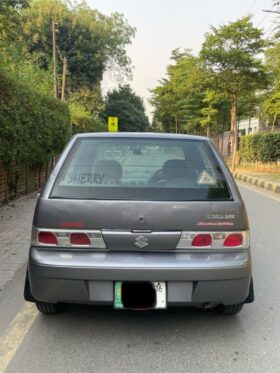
(175, 167)
(109, 169)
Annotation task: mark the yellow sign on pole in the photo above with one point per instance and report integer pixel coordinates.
(113, 124)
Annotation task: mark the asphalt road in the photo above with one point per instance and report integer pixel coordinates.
(86, 339)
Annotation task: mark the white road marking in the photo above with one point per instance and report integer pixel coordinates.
(268, 195)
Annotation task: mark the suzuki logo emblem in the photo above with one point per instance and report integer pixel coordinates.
(141, 242)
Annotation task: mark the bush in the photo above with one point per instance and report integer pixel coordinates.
(83, 121)
(263, 147)
(33, 127)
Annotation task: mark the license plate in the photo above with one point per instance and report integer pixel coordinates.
(160, 289)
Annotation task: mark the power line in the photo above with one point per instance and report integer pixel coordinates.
(261, 21)
(251, 6)
(270, 29)
(270, 35)
(54, 31)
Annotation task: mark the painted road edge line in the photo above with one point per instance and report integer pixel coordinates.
(11, 340)
(275, 197)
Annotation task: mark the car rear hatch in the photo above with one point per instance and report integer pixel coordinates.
(128, 225)
(141, 193)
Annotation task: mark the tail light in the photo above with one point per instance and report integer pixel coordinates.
(214, 240)
(233, 240)
(79, 239)
(68, 238)
(202, 240)
(47, 238)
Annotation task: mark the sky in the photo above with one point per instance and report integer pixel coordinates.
(164, 25)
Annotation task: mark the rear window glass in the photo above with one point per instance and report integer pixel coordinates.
(140, 169)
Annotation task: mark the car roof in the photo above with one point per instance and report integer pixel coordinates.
(152, 135)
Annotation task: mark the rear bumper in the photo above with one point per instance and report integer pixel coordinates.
(87, 277)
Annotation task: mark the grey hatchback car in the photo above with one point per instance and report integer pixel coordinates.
(140, 221)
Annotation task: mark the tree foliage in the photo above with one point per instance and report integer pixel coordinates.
(270, 108)
(186, 101)
(207, 94)
(91, 41)
(232, 55)
(10, 20)
(128, 107)
(85, 106)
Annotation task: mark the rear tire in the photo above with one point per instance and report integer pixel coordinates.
(48, 308)
(230, 310)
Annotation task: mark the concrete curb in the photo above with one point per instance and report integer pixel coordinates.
(269, 185)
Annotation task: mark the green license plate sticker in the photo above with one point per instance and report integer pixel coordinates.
(118, 295)
(160, 288)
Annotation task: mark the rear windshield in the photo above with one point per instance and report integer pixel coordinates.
(141, 169)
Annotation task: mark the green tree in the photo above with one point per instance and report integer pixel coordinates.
(272, 61)
(232, 56)
(10, 19)
(271, 107)
(209, 112)
(85, 106)
(178, 100)
(187, 100)
(91, 41)
(90, 99)
(271, 100)
(14, 57)
(128, 107)
(248, 105)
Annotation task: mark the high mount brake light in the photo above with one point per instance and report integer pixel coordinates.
(233, 240)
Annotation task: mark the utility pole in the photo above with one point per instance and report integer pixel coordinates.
(176, 123)
(54, 30)
(64, 72)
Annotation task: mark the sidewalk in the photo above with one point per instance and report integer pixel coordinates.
(15, 230)
(266, 181)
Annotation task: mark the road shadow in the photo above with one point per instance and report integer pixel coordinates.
(182, 322)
